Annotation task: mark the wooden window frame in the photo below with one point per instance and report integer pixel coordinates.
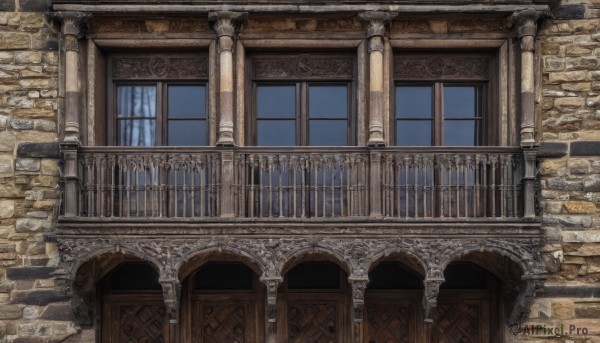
(301, 84)
(161, 82)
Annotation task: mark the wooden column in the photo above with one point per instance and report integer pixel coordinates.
(225, 25)
(72, 25)
(376, 26)
(525, 23)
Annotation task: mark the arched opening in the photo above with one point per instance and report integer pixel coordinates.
(393, 308)
(314, 302)
(222, 301)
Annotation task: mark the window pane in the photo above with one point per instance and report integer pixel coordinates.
(413, 101)
(136, 101)
(187, 132)
(137, 132)
(460, 101)
(328, 132)
(413, 132)
(276, 132)
(187, 101)
(460, 132)
(276, 101)
(328, 101)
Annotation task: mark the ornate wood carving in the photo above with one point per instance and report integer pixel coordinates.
(144, 323)
(160, 67)
(313, 322)
(303, 66)
(388, 323)
(441, 67)
(223, 323)
(457, 322)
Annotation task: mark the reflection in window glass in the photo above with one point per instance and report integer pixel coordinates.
(187, 132)
(276, 101)
(460, 133)
(187, 101)
(460, 101)
(328, 132)
(139, 132)
(413, 102)
(136, 101)
(276, 132)
(328, 101)
(413, 132)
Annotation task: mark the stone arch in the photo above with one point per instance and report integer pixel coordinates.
(523, 259)
(313, 252)
(192, 262)
(408, 258)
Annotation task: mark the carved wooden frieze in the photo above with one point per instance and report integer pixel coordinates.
(160, 67)
(303, 66)
(425, 67)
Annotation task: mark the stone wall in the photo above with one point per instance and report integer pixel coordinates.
(30, 306)
(570, 172)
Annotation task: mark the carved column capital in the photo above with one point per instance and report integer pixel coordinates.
(359, 285)
(377, 22)
(226, 23)
(526, 23)
(272, 283)
(430, 294)
(73, 23)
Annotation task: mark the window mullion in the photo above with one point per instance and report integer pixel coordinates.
(438, 113)
(161, 124)
(302, 113)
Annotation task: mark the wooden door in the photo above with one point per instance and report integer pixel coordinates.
(392, 317)
(224, 319)
(462, 317)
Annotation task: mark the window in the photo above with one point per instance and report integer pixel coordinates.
(158, 100)
(441, 100)
(302, 100)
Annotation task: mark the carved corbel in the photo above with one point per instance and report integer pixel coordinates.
(430, 294)
(525, 298)
(73, 23)
(171, 293)
(359, 285)
(526, 21)
(272, 283)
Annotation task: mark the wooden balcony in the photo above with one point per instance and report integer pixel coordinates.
(298, 183)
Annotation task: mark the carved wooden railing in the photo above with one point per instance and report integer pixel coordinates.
(301, 183)
(394, 183)
(143, 182)
(461, 183)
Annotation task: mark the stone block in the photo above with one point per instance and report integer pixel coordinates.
(7, 5)
(28, 164)
(44, 125)
(552, 63)
(21, 124)
(569, 103)
(563, 309)
(585, 148)
(58, 312)
(593, 102)
(586, 62)
(580, 207)
(29, 273)
(32, 225)
(553, 149)
(38, 297)
(40, 150)
(8, 312)
(592, 183)
(7, 209)
(28, 57)
(587, 310)
(570, 11)
(578, 166)
(14, 41)
(50, 167)
(553, 167)
(588, 236)
(577, 86)
(33, 5)
(567, 76)
(568, 221)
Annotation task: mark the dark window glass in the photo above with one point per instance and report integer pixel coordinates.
(136, 101)
(460, 101)
(187, 101)
(187, 132)
(314, 275)
(135, 276)
(276, 132)
(464, 276)
(328, 132)
(224, 276)
(413, 132)
(276, 101)
(460, 133)
(414, 102)
(393, 275)
(139, 132)
(328, 101)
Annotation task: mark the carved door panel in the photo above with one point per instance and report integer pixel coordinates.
(140, 322)
(390, 318)
(458, 320)
(312, 318)
(224, 321)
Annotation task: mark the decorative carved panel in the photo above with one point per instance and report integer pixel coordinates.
(223, 321)
(441, 67)
(388, 323)
(303, 66)
(160, 67)
(313, 322)
(142, 324)
(457, 322)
